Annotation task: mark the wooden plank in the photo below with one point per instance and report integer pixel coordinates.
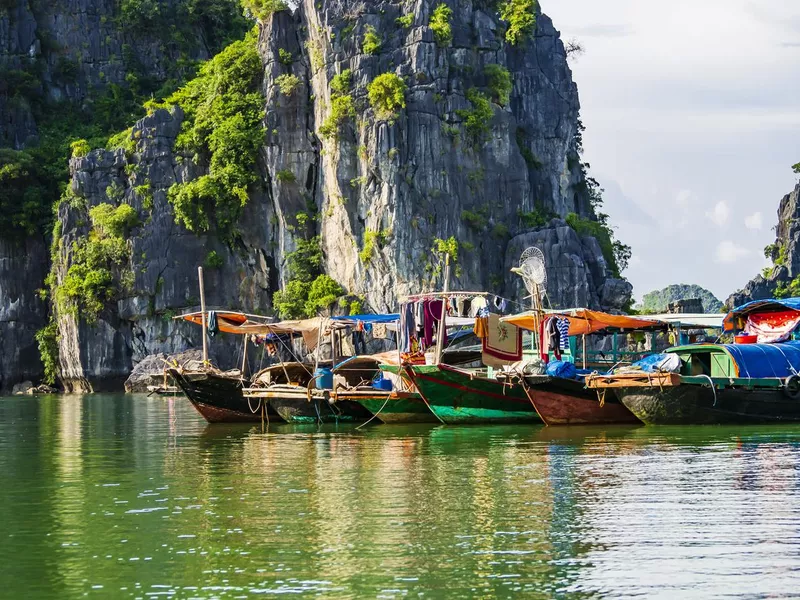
(633, 380)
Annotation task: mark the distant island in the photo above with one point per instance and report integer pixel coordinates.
(657, 301)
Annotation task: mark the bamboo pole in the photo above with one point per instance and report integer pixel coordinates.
(203, 312)
(584, 350)
(244, 355)
(442, 324)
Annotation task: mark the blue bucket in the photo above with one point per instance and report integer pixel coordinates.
(382, 384)
(324, 378)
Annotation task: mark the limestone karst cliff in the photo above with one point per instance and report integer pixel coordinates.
(383, 130)
(68, 70)
(783, 278)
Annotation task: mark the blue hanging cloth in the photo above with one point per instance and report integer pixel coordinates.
(212, 325)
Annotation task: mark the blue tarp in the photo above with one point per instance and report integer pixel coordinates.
(766, 360)
(560, 368)
(793, 303)
(391, 318)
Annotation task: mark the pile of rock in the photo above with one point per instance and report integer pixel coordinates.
(26, 388)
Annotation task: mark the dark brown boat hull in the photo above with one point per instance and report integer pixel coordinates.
(692, 404)
(567, 402)
(219, 399)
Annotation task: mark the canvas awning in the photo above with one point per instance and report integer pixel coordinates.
(584, 321)
(243, 324)
(691, 320)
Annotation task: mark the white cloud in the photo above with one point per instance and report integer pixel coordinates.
(728, 252)
(719, 216)
(676, 138)
(754, 221)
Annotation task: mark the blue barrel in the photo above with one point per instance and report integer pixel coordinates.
(324, 378)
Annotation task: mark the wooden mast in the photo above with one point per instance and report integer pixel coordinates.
(203, 311)
(442, 325)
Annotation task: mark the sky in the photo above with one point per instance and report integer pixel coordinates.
(692, 115)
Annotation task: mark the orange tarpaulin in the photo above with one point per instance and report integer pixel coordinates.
(583, 321)
(228, 322)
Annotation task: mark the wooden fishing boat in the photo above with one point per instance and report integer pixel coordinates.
(744, 382)
(718, 384)
(561, 401)
(458, 396)
(292, 390)
(218, 396)
(396, 406)
(566, 401)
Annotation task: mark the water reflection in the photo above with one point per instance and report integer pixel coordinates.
(126, 496)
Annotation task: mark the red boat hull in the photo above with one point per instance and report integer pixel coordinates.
(567, 402)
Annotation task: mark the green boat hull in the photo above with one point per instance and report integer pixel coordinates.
(410, 409)
(457, 398)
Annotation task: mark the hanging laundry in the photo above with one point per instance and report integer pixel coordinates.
(563, 330)
(212, 326)
(553, 337)
(379, 331)
(451, 306)
(478, 303)
(408, 327)
(500, 304)
(481, 328)
(461, 306)
(433, 314)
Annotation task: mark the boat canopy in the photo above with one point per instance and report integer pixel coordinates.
(227, 321)
(735, 318)
(691, 320)
(584, 321)
(748, 360)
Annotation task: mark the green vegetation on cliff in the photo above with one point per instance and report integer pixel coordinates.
(222, 129)
(309, 291)
(387, 95)
(440, 25)
(97, 272)
(658, 300)
(521, 18)
(37, 174)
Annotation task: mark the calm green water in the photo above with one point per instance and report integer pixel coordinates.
(115, 496)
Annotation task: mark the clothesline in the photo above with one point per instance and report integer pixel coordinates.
(427, 295)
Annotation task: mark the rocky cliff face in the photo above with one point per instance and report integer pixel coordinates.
(67, 50)
(58, 62)
(497, 170)
(783, 279)
(22, 311)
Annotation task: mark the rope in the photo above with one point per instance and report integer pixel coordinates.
(250, 406)
(319, 416)
(713, 389)
(365, 423)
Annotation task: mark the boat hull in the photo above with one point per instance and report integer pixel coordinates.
(219, 399)
(696, 404)
(399, 407)
(319, 410)
(455, 397)
(567, 402)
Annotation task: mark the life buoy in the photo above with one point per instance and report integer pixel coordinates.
(791, 386)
